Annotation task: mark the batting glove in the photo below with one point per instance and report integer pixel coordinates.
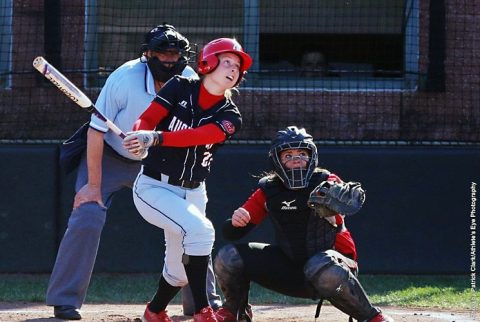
(143, 153)
(137, 142)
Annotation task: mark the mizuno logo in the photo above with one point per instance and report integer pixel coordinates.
(287, 205)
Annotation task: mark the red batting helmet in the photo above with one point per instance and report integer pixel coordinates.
(208, 57)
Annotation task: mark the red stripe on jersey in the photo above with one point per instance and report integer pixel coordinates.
(338, 219)
(255, 205)
(202, 135)
(343, 241)
(344, 244)
(149, 119)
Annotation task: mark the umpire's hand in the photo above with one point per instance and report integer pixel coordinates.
(88, 193)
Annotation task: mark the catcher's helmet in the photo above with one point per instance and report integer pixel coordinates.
(293, 138)
(208, 57)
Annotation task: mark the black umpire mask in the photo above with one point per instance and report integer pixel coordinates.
(162, 73)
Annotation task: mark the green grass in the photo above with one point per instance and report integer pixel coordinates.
(447, 292)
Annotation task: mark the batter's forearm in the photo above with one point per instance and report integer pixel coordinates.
(205, 134)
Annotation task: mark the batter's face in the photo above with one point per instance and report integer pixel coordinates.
(227, 72)
(294, 158)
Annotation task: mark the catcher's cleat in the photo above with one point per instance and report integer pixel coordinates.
(225, 315)
(205, 315)
(381, 318)
(150, 316)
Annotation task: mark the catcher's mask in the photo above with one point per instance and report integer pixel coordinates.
(293, 138)
(208, 57)
(160, 39)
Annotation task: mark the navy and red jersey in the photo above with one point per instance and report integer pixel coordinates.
(299, 233)
(192, 133)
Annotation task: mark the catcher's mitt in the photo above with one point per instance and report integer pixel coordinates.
(330, 198)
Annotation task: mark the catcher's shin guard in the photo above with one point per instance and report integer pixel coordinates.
(334, 281)
(229, 269)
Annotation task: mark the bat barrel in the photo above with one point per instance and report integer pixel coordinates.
(70, 90)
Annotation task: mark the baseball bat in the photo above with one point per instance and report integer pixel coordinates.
(72, 91)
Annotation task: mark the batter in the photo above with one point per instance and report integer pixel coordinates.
(178, 136)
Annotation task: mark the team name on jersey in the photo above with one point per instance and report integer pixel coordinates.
(177, 125)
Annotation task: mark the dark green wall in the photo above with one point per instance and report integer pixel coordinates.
(415, 220)
(28, 207)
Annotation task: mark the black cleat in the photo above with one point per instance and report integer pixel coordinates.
(66, 312)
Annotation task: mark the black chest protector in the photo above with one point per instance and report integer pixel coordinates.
(300, 233)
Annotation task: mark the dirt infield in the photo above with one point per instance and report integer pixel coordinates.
(36, 312)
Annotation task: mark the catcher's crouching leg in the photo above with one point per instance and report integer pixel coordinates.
(229, 269)
(333, 280)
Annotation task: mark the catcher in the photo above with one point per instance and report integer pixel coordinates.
(315, 256)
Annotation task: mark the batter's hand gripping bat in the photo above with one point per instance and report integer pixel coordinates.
(72, 91)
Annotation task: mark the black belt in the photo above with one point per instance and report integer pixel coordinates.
(180, 183)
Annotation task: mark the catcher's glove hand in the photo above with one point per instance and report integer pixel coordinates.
(330, 198)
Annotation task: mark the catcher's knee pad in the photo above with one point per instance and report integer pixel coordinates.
(325, 273)
(228, 261)
(334, 281)
(230, 273)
